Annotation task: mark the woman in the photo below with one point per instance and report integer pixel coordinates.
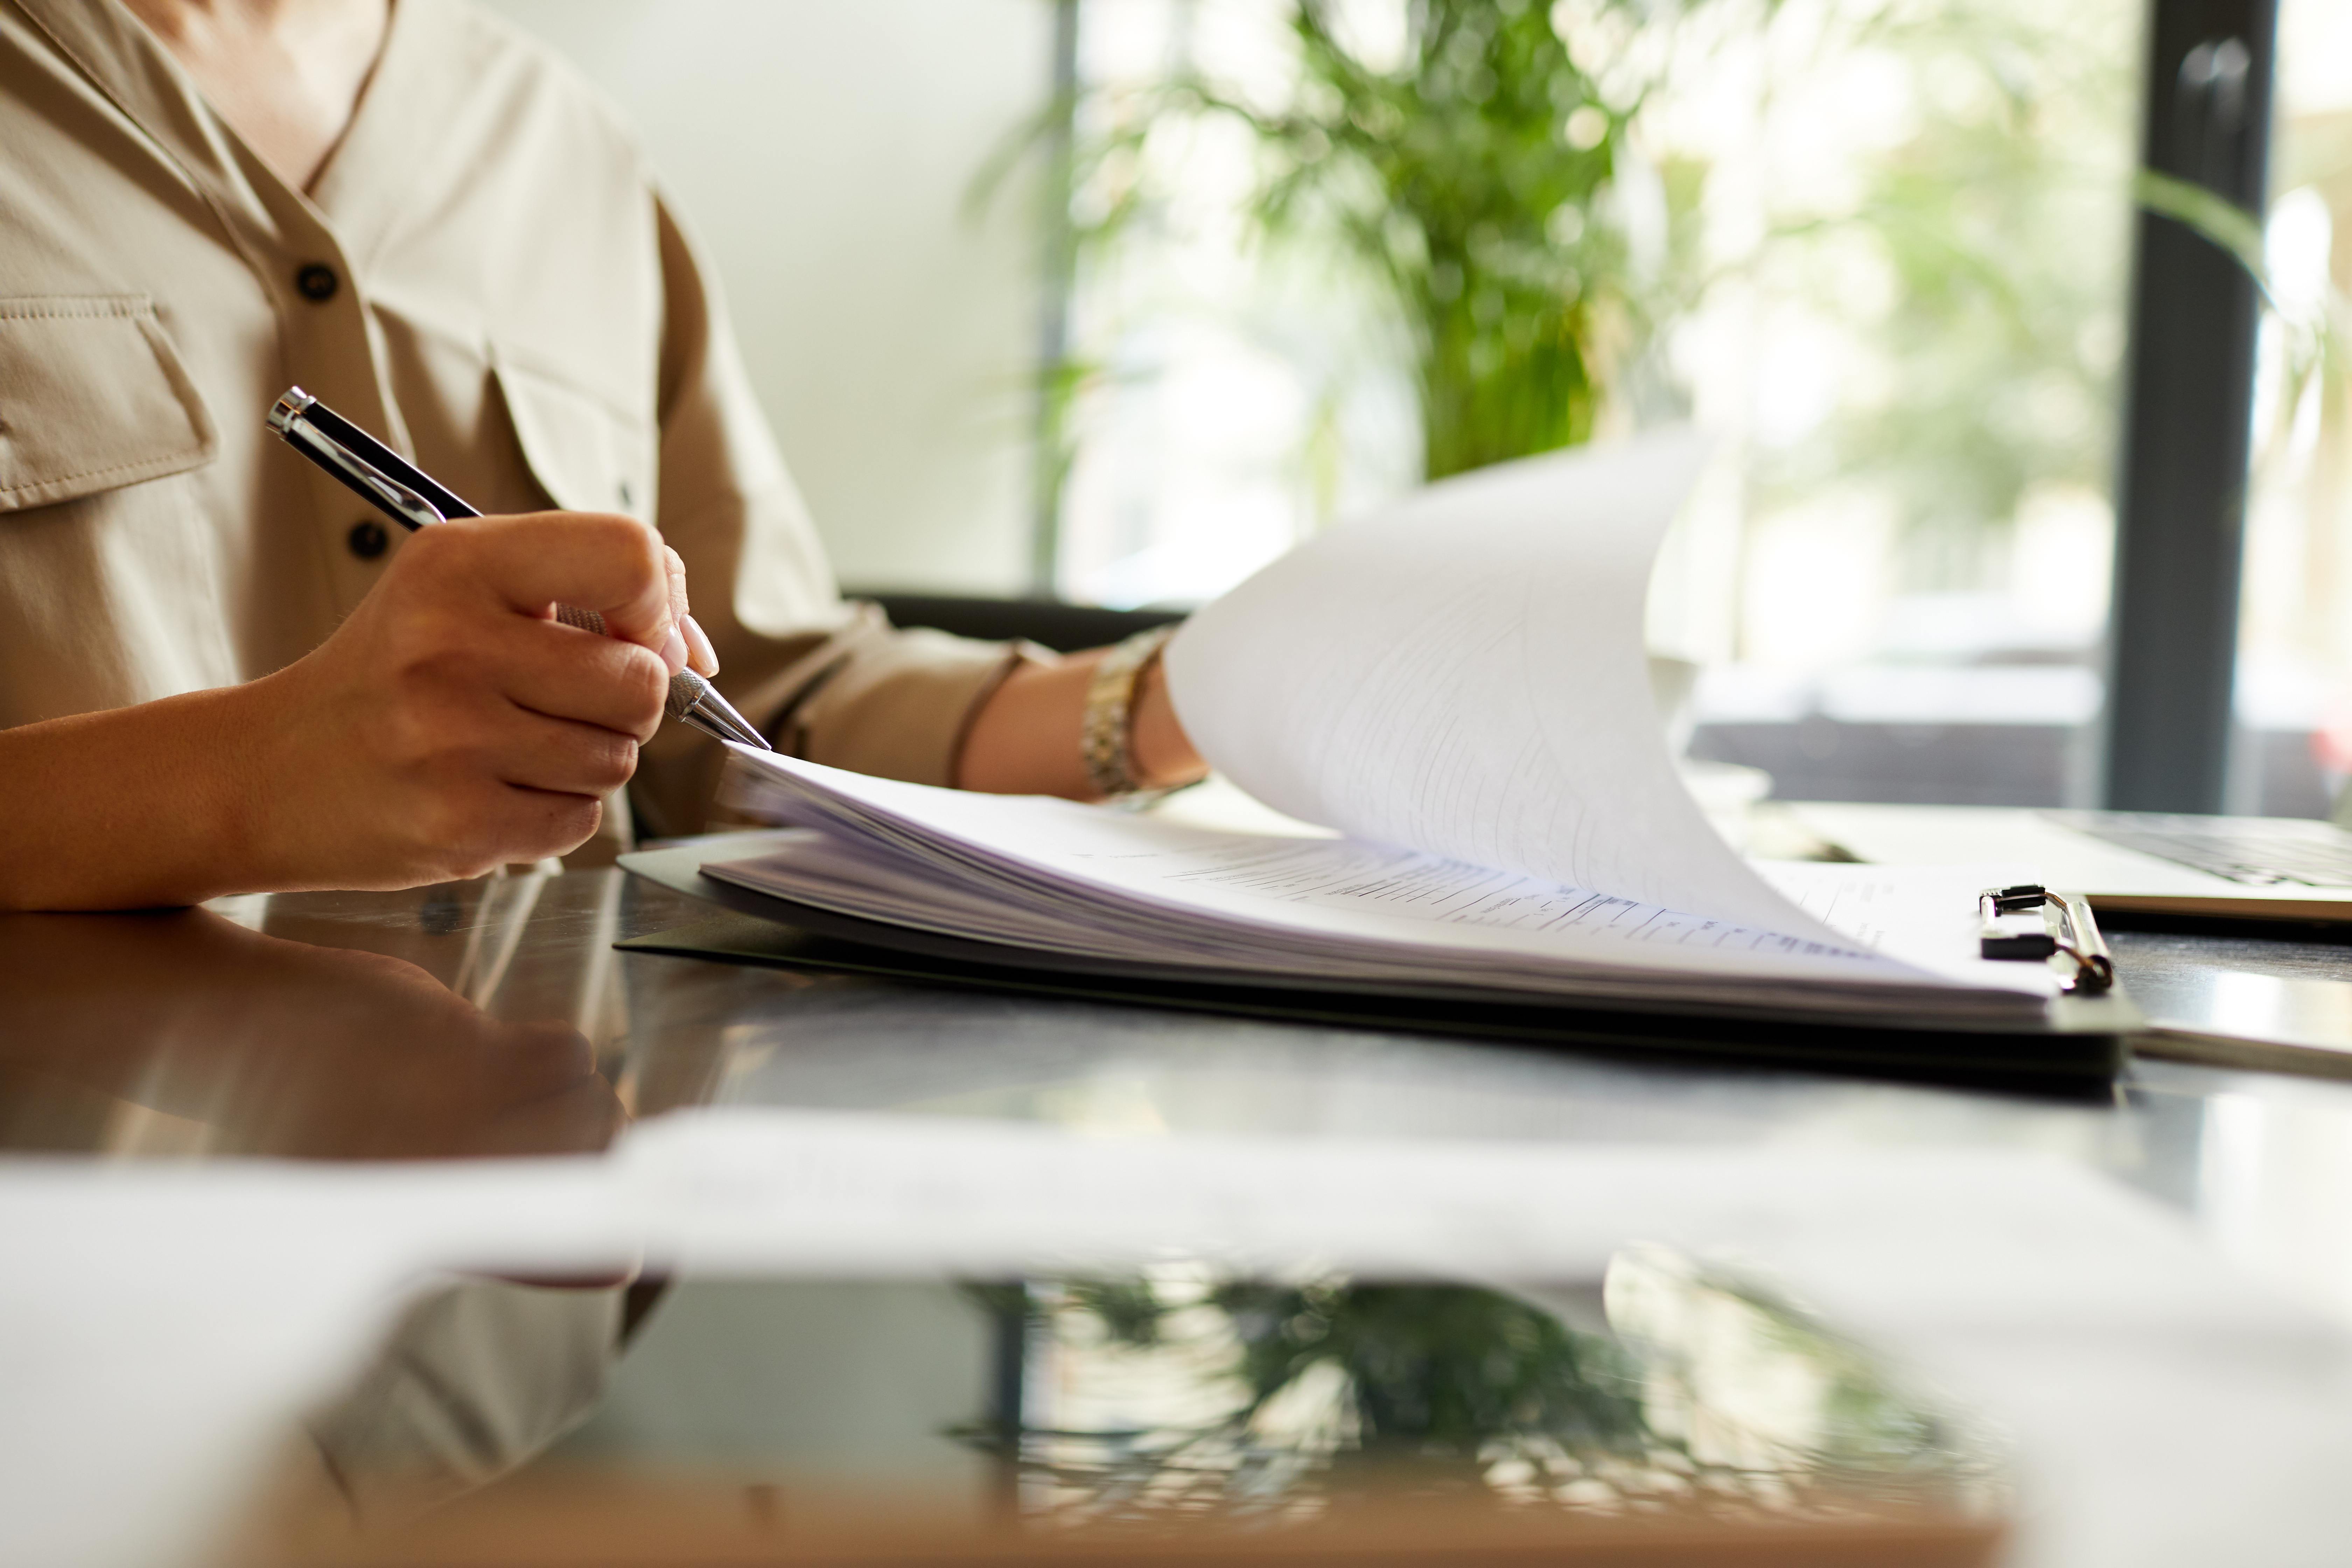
(216, 673)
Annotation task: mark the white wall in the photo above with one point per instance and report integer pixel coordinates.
(822, 150)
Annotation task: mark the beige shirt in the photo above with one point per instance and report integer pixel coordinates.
(485, 274)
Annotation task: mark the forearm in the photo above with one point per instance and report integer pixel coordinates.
(1026, 738)
(133, 808)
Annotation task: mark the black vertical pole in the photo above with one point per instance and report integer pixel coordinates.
(2181, 493)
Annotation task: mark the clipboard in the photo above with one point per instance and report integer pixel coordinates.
(2081, 1040)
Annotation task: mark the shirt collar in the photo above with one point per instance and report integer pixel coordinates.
(400, 131)
(416, 86)
(114, 49)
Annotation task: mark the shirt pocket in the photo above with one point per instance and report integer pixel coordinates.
(585, 454)
(92, 397)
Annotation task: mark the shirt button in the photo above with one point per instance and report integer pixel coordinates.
(317, 282)
(367, 539)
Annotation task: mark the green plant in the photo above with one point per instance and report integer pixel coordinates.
(1465, 182)
(1517, 192)
(1470, 183)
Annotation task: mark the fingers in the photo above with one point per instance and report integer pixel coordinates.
(674, 576)
(561, 673)
(616, 566)
(492, 733)
(674, 650)
(465, 830)
(701, 657)
(558, 756)
(458, 735)
(613, 565)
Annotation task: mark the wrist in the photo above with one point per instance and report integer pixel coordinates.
(1124, 753)
(240, 733)
(1162, 755)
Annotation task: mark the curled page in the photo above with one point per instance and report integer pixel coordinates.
(1465, 674)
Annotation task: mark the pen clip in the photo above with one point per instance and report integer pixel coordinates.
(288, 417)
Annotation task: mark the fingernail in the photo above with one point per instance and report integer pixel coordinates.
(673, 650)
(706, 658)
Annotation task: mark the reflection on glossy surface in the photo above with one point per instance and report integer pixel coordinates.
(1177, 1395)
(339, 1025)
(1668, 1404)
(478, 1377)
(2266, 991)
(496, 1018)
(183, 1031)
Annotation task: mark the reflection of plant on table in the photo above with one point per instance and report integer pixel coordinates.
(1295, 1392)
(1181, 1394)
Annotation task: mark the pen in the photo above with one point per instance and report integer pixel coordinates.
(396, 487)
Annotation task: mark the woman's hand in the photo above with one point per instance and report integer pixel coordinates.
(449, 726)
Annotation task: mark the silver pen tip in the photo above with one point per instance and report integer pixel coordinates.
(686, 690)
(690, 695)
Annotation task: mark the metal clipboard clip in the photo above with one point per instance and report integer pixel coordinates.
(2066, 928)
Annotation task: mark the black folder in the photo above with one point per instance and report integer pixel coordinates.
(2078, 1040)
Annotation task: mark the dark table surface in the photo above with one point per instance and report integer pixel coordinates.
(495, 1017)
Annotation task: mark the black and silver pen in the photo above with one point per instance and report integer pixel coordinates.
(396, 487)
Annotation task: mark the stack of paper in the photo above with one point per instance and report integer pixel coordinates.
(1459, 688)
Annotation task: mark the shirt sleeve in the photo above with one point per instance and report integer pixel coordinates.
(827, 679)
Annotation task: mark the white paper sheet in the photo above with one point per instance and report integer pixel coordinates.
(1925, 916)
(1465, 674)
(1062, 877)
(1460, 688)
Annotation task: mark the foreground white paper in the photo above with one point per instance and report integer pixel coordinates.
(2168, 1415)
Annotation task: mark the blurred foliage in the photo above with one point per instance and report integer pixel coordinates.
(1495, 189)
(2315, 332)
(1332, 1387)
(2001, 222)
(1436, 1383)
(1465, 182)
(1439, 1372)
(1473, 186)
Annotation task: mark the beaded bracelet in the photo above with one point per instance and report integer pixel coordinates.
(1107, 736)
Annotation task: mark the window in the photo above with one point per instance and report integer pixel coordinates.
(2295, 675)
(1881, 247)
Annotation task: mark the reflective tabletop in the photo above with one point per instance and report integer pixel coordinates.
(496, 1019)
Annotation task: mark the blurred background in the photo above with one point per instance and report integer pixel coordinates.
(1113, 301)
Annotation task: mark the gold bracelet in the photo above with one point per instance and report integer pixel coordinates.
(1107, 736)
